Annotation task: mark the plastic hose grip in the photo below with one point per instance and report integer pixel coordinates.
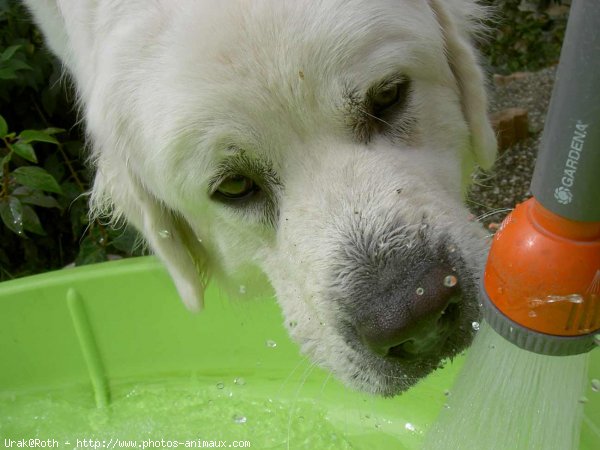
(566, 178)
(543, 274)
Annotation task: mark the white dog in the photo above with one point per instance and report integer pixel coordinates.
(326, 144)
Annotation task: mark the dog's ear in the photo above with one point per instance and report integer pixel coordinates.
(168, 234)
(455, 25)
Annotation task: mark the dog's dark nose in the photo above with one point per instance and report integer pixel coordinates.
(408, 321)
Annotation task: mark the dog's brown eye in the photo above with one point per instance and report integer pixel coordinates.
(237, 187)
(389, 96)
(386, 98)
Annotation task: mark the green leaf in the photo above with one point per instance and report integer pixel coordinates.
(3, 127)
(28, 136)
(5, 160)
(90, 251)
(53, 130)
(36, 178)
(7, 74)
(126, 240)
(31, 221)
(17, 64)
(9, 52)
(11, 212)
(24, 151)
(36, 197)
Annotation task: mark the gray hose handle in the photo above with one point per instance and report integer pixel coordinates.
(566, 179)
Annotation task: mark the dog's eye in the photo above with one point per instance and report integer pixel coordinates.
(384, 99)
(237, 187)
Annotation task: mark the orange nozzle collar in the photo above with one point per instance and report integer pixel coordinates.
(543, 271)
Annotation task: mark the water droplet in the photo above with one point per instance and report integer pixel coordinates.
(475, 326)
(532, 314)
(446, 392)
(239, 419)
(446, 405)
(242, 289)
(239, 381)
(549, 299)
(420, 291)
(451, 249)
(597, 339)
(409, 426)
(271, 344)
(293, 323)
(165, 234)
(220, 385)
(583, 399)
(450, 281)
(596, 385)
(199, 239)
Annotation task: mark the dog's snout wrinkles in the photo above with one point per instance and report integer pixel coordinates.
(412, 320)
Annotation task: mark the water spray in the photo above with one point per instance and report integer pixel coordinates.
(541, 285)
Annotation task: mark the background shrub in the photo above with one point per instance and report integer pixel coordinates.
(43, 180)
(526, 35)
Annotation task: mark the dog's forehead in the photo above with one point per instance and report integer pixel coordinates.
(282, 60)
(266, 39)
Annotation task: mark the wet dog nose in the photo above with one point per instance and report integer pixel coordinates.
(411, 320)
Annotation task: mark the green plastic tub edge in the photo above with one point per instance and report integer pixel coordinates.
(140, 331)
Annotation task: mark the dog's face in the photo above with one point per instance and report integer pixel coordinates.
(323, 146)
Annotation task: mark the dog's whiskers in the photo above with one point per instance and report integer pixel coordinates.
(367, 113)
(492, 213)
(307, 372)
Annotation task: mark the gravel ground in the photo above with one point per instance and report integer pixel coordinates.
(495, 193)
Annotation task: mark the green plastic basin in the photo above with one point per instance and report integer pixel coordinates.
(104, 355)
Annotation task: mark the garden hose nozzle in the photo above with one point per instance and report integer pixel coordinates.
(541, 285)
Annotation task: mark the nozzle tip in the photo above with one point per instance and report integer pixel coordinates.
(531, 340)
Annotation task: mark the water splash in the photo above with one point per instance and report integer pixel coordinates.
(450, 281)
(511, 398)
(239, 419)
(549, 299)
(164, 234)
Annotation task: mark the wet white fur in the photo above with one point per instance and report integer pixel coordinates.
(167, 88)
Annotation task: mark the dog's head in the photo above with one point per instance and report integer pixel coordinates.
(322, 145)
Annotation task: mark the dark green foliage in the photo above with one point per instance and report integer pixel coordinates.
(43, 210)
(525, 35)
